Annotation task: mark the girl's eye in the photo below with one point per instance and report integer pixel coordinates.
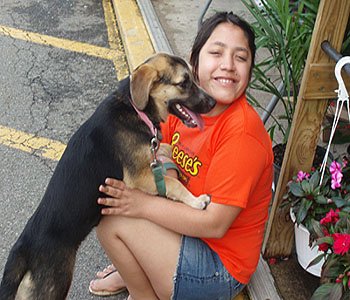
(242, 58)
(214, 52)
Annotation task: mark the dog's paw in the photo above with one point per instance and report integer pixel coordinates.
(201, 202)
(165, 150)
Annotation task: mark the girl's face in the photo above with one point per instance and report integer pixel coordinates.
(224, 65)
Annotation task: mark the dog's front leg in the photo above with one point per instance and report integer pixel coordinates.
(176, 191)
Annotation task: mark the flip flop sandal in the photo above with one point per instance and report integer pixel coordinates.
(105, 272)
(105, 292)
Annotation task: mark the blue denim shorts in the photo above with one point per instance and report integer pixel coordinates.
(201, 275)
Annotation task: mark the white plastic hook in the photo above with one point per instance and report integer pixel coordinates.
(343, 96)
(342, 92)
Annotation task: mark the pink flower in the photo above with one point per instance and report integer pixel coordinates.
(336, 179)
(331, 217)
(341, 243)
(302, 175)
(336, 175)
(335, 167)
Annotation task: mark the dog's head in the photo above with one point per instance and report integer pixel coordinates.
(164, 84)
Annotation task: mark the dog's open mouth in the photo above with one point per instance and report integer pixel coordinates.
(188, 117)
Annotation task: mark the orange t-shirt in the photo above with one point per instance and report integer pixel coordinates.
(231, 159)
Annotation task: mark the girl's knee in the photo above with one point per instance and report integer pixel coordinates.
(107, 227)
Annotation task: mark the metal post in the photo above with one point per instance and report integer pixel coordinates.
(333, 54)
(272, 104)
(200, 20)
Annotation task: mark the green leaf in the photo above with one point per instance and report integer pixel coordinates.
(336, 292)
(325, 239)
(321, 199)
(296, 190)
(332, 266)
(305, 185)
(317, 228)
(328, 291)
(316, 260)
(303, 210)
(345, 281)
(346, 209)
(339, 202)
(343, 223)
(314, 180)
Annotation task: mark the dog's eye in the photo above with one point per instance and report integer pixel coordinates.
(183, 84)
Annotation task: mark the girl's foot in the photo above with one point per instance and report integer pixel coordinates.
(106, 271)
(111, 284)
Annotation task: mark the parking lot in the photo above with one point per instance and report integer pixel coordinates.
(58, 60)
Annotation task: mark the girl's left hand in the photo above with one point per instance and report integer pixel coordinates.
(120, 199)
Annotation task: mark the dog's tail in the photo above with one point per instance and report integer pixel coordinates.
(15, 269)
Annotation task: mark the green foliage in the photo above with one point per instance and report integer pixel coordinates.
(283, 29)
(328, 291)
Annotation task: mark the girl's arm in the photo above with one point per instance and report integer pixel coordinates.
(212, 222)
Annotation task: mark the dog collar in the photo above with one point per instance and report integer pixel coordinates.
(145, 119)
(156, 166)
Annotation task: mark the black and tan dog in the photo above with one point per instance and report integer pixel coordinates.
(113, 142)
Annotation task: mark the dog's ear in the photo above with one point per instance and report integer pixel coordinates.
(141, 83)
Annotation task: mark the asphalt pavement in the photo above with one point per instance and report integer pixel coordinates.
(58, 60)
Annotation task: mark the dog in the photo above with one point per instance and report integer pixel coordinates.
(113, 142)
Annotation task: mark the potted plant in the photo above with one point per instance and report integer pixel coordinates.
(311, 202)
(333, 237)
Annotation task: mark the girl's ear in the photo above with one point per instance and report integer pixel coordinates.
(141, 83)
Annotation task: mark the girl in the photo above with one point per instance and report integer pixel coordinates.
(167, 250)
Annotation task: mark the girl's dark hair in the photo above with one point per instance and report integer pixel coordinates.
(208, 27)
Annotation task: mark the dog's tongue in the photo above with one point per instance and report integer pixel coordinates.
(195, 117)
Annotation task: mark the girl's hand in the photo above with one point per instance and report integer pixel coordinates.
(120, 199)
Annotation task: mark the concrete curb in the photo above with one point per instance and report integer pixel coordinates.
(135, 37)
(155, 29)
(140, 30)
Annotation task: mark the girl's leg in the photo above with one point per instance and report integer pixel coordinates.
(144, 253)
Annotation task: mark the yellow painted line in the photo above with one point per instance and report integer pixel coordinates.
(137, 43)
(138, 47)
(30, 143)
(114, 40)
(84, 48)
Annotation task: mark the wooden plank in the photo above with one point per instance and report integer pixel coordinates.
(330, 25)
(262, 285)
(322, 82)
(240, 296)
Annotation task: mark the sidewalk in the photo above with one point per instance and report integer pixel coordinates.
(179, 19)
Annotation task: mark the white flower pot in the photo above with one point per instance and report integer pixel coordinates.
(305, 253)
